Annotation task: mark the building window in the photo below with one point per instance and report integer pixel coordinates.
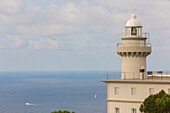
(116, 90)
(151, 91)
(169, 91)
(117, 110)
(133, 110)
(133, 91)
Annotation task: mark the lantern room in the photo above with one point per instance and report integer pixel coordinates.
(133, 27)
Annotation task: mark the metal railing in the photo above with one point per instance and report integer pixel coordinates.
(133, 45)
(144, 34)
(137, 76)
(124, 75)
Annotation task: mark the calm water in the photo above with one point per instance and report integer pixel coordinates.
(50, 91)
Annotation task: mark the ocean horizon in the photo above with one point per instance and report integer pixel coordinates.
(48, 91)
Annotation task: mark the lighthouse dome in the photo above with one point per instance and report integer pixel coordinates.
(133, 22)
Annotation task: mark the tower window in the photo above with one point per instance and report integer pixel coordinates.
(151, 91)
(133, 91)
(133, 31)
(116, 90)
(117, 110)
(133, 110)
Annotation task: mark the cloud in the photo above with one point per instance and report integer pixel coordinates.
(103, 44)
(70, 13)
(53, 44)
(43, 44)
(1, 47)
(10, 6)
(26, 15)
(84, 30)
(105, 17)
(47, 29)
(66, 19)
(16, 40)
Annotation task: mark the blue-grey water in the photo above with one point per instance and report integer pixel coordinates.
(52, 91)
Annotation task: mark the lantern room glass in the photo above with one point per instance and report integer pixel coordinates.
(133, 31)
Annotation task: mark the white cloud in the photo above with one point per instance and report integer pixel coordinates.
(10, 6)
(71, 13)
(64, 20)
(47, 29)
(79, 27)
(28, 15)
(16, 40)
(42, 44)
(103, 44)
(104, 17)
(1, 47)
(53, 43)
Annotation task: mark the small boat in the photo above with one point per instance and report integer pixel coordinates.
(95, 96)
(28, 104)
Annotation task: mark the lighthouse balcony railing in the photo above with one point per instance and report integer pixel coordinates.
(133, 45)
(144, 34)
(137, 76)
(123, 75)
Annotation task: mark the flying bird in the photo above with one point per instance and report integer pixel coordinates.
(51, 38)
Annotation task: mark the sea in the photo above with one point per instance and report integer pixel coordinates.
(48, 91)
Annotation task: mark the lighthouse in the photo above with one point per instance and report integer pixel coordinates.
(134, 49)
(125, 94)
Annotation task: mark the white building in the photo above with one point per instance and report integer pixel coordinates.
(126, 94)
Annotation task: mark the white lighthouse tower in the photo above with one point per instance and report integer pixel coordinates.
(125, 95)
(134, 49)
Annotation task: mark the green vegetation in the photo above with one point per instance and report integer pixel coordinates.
(157, 103)
(62, 111)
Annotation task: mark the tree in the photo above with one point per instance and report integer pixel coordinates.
(157, 103)
(62, 111)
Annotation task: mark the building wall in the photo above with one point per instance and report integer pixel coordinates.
(134, 42)
(124, 100)
(133, 51)
(129, 66)
(124, 107)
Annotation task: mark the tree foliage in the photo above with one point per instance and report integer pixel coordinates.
(62, 111)
(157, 103)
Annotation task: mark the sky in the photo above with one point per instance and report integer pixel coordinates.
(86, 33)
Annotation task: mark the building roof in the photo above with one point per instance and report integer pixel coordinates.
(133, 22)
